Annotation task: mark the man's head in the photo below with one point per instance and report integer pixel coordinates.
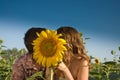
(30, 35)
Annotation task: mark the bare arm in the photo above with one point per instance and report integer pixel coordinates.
(66, 71)
(83, 73)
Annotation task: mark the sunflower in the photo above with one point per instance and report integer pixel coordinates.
(48, 48)
(97, 61)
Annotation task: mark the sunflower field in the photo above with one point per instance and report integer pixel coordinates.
(107, 70)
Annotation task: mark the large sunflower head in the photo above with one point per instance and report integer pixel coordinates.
(48, 48)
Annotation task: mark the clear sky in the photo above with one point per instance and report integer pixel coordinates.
(97, 19)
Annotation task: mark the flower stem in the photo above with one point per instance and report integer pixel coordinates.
(51, 73)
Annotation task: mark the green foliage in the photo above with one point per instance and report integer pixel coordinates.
(119, 48)
(7, 58)
(36, 75)
(105, 72)
(1, 45)
(108, 70)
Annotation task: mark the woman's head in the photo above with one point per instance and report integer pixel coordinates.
(30, 35)
(75, 43)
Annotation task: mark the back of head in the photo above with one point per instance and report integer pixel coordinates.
(73, 38)
(30, 35)
(75, 43)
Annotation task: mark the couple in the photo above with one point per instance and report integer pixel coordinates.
(75, 64)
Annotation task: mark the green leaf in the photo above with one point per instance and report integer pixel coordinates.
(1, 41)
(38, 74)
(80, 34)
(94, 73)
(113, 52)
(110, 63)
(119, 48)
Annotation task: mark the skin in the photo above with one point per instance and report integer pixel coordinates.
(83, 71)
(65, 70)
(79, 69)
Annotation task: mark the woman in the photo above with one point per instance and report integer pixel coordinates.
(75, 57)
(26, 66)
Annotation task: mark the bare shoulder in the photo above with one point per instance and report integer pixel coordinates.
(80, 62)
(84, 63)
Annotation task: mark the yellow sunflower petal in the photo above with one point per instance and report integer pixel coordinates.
(48, 48)
(48, 31)
(44, 61)
(39, 60)
(53, 61)
(38, 34)
(48, 62)
(59, 35)
(62, 41)
(43, 34)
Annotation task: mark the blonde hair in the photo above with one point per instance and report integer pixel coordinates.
(75, 44)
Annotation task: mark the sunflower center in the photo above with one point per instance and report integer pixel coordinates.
(48, 48)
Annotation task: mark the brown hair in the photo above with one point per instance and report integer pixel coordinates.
(75, 44)
(30, 35)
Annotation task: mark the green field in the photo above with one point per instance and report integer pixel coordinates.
(107, 70)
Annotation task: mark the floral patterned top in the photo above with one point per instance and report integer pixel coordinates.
(24, 67)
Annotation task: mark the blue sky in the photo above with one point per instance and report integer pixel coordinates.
(97, 19)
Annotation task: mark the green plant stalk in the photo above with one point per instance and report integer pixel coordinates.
(51, 73)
